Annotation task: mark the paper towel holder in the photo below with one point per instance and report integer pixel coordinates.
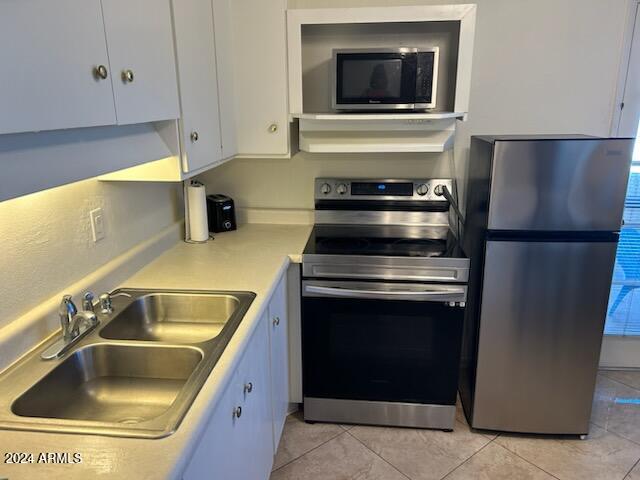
(187, 227)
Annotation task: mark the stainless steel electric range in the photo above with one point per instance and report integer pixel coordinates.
(383, 296)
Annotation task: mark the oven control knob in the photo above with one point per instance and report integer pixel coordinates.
(341, 188)
(422, 189)
(325, 189)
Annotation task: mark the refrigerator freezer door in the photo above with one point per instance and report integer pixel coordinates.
(543, 311)
(563, 185)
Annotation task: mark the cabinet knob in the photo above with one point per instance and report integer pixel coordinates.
(237, 412)
(273, 128)
(276, 321)
(248, 387)
(194, 136)
(127, 76)
(100, 72)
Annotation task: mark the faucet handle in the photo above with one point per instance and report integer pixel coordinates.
(105, 303)
(67, 307)
(87, 302)
(66, 311)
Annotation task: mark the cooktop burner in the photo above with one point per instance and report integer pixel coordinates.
(342, 243)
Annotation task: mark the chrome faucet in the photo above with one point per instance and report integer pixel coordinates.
(74, 325)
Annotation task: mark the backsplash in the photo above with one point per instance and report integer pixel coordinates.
(47, 240)
(288, 183)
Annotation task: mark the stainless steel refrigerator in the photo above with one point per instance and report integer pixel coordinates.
(542, 224)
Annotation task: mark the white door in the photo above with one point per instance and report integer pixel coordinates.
(140, 42)
(224, 63)
(237, 444)
(196, 58)
(621, 344)
(260, 67)
(218, 452)
(279, 358)
(49, 54)
(257, 430)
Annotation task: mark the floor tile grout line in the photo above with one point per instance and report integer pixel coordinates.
(526, 460)
(619, 381)
(606, 429)
(309, 451)
(379, 456)
(631, 470)
(467, 459)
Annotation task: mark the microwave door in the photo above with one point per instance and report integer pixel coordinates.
(374, 81)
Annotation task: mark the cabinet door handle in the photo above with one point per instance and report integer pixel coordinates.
(194, 136)
(248, 387)
(237, 412)
(100, 72)
(276, 321)
(127, 76)
(273, 128)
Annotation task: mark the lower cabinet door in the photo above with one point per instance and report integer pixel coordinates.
(237, 444)
(218, 453)
(279, 358)
(257, 430)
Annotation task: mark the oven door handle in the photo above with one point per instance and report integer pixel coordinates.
(386, 295)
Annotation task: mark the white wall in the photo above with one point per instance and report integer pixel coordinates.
(46, 237)
(543, 66)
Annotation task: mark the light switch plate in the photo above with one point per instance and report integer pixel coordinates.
(97, 224)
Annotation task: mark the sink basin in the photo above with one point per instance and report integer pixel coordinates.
(111, 383)
(137, 377)
(171, 317)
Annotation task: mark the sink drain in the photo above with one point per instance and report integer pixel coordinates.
(131, 420)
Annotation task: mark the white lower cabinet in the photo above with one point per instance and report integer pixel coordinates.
(237, 444)
(279, 358)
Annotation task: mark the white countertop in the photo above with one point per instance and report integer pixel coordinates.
(252, 258)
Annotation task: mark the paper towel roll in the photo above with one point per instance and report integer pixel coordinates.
(198, 225)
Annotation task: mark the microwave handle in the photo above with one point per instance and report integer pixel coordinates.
(385, 295)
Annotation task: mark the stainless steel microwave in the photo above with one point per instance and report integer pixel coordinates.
(385, 78)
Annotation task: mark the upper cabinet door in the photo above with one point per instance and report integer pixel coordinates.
(226, 89)
(141, 56)
(196, 56)
(50, 55)
(260, 65)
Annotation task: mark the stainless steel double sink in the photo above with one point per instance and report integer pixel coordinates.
(136, 375)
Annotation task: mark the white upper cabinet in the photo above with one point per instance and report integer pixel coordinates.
(260, 73)
(197, 75)
(85, 63)
(49, 56)
(140, 44)
(224, 63)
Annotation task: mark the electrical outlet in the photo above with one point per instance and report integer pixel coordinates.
(97, 224)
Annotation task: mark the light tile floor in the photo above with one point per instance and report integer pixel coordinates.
(342, 452)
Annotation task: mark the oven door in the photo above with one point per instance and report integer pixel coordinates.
(379, 80)
(386, 342)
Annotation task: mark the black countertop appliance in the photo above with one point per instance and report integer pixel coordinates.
(221, 213)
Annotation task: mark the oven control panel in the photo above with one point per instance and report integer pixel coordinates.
(381, 189)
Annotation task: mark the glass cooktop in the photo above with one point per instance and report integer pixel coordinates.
(355, 240)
